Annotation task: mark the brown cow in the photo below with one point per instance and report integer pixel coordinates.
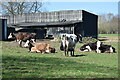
(41, 48)
(22, 37)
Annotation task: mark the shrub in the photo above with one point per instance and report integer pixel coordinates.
(88, 40)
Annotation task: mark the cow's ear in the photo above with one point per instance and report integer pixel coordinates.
(63, 35)
(67, 38)
(13, 33)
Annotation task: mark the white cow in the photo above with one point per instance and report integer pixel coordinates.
(68, 43)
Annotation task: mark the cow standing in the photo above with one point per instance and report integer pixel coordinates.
(22, 37)
(68, 43)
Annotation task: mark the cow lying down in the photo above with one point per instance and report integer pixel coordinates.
(107, 49)
(88, 47)
(97, 47)
(41, 48)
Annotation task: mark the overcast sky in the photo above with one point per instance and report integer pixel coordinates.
(94, 7)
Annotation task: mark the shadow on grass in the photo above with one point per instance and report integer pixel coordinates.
(82, 55)
(39, 67)
(103, 39)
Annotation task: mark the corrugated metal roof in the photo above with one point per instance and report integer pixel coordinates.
(45, 24)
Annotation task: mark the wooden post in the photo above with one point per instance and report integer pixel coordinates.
(73, 29)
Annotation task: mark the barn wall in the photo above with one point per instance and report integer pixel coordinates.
(10, 30)
(40, 33)
(69, 15)
(79, 29)
(3, 29)
(90, 25)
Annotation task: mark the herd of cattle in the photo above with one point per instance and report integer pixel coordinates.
(68, 43)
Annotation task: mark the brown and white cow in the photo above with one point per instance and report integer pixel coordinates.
(22, 37)
(41, 48)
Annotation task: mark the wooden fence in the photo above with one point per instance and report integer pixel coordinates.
(69, 15)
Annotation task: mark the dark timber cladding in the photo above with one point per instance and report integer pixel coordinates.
(90, 24)
(79, 21)
(3, 29)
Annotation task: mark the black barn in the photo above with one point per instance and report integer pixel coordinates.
(70, 21)
(3, 29)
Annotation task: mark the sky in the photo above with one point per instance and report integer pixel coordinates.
(93, 7)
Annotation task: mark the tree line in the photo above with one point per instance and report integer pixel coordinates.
(108, 24)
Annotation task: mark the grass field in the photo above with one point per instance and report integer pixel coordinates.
(19, 63)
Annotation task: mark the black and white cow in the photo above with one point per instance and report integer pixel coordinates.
(101, 48)
(68, 43)
(89, 47)
(23, 37)
(98, 47)
(107, 49)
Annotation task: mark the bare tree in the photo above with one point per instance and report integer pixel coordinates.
(21, 7)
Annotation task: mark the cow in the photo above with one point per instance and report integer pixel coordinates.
(107, 49)
(98, 47)
(40, 48)
(68, 43)
(22, 37)
(89, 47)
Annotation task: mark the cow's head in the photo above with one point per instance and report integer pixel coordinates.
(11, 36)
(62, 45)
(79, 38)
(27, 43)
(33, 40)
(84, 48)
(52, 50)
(72, 39)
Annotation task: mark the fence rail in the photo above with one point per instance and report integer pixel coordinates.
(69, 15)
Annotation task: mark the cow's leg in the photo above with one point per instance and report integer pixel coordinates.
(65, 50)
(98, 51)
(20, 43)
(73, 52)
(67, 53)
(16, 40)
(27, 44)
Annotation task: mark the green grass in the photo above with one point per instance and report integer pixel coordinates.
(19, 63)
(108, 35)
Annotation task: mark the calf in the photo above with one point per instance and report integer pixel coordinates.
(41, 47)
(68, 43)
(22, 37)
